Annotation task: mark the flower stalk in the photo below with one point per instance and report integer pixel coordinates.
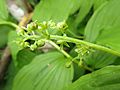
(36, 34)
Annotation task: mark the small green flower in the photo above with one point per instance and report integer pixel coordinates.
(32, 26)
(20, 32)
(62, 26)
(52, 24)
(40, 43)
(62, 43)
(82, 51)
(35, 33)
(33, 47)
(23, 44)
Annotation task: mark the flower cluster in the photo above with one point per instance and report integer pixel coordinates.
(82, 51)
(35, 34)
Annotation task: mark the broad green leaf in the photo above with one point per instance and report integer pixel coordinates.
(78, 72)
(4, 30)
(11, 72)
(45, 72)
(56, 10)
(24, 57)
(107, 78)
(3, 10)
(98, 3)
(76, 22)
(110, 38)
(99, 59)
(108, 15)
(103, 23)
(76, 6)
(117, 61)
(84, 10)
(14, 48)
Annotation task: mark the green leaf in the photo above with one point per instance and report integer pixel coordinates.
(3, 10)
(76, 22)
(56, 10)
(117, 61)
(46, 71)
(11, 72)
(84, 10)
(101, 28)
(102, 19)
(14, 48)
(107, 78)
(110, 38)
(4, 30)
(98, 3)
(24, 57)
(76, 6)
(78, 72)
(99, 59)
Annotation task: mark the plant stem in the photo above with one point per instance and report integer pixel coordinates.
(10, 23)
(81, 64)
(76, 41)
(54, 44)
(59, 49)
(68, 56)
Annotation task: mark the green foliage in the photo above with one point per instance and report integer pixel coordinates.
(84, 10)
(86, 35)
(102, 19)
(100, 59)
(10, 76)
(110, 38)
(56, 10)
(103, 79)
(4, 30)
(24, 57)
(98, 3)
(3, 10)
(47, 71)
(13, 46)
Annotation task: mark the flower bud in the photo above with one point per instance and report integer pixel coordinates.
(60, 41)
(33, 47)
(51, 24)
(40, 43)
(20, 32)
(62, 25)
(32, 26)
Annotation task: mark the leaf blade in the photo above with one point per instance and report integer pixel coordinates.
(41, 72)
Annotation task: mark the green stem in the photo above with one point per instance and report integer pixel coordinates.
(67, 55)
(10, 23)
(59, 49)
(95, 46)
(81, 64)
(52, 43)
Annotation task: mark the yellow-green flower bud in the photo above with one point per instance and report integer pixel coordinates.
(33, 47)
(60, 41)
(20, 32)
(61, 25)
(40, 42)
(32, 26)
(51, 24)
